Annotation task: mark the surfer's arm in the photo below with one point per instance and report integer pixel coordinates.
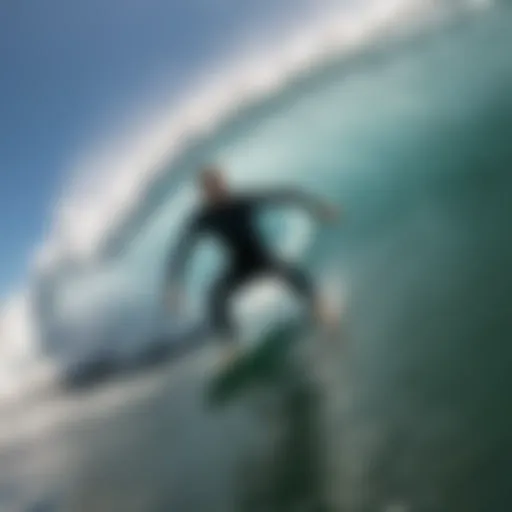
(315, 205)
(180, 256)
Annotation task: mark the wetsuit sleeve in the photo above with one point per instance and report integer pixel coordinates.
(287, 197)
(182, 251)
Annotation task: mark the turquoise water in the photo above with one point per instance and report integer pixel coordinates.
(415, 144)
(413, 139)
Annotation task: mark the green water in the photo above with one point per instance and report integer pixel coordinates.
(417, 148)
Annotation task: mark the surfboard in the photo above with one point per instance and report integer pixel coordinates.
(260, 363)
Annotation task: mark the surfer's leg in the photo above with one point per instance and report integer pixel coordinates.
(220, 314)
(297, 280)
(301, 283)
(220, 317)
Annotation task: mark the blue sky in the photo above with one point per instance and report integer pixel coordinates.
(69, 72)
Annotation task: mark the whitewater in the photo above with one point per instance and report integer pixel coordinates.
(399, 111)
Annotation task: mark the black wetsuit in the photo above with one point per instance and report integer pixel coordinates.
(233, 223)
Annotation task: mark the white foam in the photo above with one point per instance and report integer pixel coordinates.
(22, 368)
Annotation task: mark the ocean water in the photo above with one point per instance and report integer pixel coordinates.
(412, 413)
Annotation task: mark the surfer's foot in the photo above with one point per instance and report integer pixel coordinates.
(326, 316)
(229, 355)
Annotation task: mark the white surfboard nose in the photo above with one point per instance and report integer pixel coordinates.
(262, 304)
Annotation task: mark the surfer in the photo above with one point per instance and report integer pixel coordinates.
(231, 218)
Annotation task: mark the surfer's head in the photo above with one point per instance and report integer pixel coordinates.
(213, 184)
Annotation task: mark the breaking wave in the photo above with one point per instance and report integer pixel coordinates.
(95, 288)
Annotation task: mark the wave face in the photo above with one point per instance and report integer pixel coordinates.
(328, 117)
(413, 138)
(332, 121)
(110, 302)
